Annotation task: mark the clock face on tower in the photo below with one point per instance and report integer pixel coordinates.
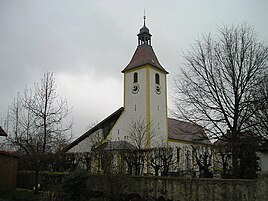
(158, 89)
(135, 88)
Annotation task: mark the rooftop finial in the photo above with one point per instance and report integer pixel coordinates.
(144, 17)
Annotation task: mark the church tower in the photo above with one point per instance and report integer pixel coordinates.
(145, 95)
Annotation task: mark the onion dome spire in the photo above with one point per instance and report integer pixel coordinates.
(144, 37)
(144, 53)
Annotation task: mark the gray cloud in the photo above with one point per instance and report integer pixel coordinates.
(87, 43)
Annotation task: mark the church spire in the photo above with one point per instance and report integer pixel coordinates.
(144, 18)
(144, 37)
(144, 53)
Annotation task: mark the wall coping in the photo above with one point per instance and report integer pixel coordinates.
(182, 179)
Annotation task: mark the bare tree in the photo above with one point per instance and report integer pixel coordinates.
(36, 122)
(203, 157)
(137, 132)
(216, 84)
(185, 161)
(142, 135)
(161, 159)
(135, 160)
(167, 159)
(96, 138)
(223, 158)
(156, 161)
(259, 121)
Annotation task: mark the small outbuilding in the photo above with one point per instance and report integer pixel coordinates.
(8, 168)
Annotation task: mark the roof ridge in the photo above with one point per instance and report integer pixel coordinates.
(93, 129)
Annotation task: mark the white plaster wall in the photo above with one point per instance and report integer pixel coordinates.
(86, 144)
(158, 111)
(186, 160)
(140, 98)
(119, 131)
(174, 144)
(264, 161)
(157, 117)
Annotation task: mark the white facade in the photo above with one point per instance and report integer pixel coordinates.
(264, 161)
(158, 107)
(145, 104)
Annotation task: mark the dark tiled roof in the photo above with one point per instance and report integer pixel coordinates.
(186, 131)
(143, 55)
(9, 153)
(2, 132)
(116, 145)
(106, 125)
(245, 137)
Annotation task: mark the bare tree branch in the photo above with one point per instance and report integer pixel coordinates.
(215, 87)
(36, 121)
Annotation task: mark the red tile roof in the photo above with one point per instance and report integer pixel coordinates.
(177, 130)
(244, 137)
(143, 55)
(186, 131)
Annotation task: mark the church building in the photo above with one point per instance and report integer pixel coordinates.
(143, 121)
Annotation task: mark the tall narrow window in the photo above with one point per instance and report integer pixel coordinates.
(178, 155)
(135, 77)
(157, 81)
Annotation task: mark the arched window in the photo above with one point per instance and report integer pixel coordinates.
(135, 77)
(157, 81)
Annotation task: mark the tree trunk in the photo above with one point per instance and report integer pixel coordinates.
(36, 180)
(234, 154)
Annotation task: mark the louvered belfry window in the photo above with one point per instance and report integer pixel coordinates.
(135, 77)
(157, 81)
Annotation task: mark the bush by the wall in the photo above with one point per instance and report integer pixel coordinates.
(75, 185)
(25, 179)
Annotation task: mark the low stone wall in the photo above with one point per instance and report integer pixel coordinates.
(172, 188)
(25, 179)
(262, 186)
(178, 189)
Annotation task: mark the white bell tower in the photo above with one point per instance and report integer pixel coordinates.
(145, 94)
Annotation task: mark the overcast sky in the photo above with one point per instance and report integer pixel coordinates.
(87, 44)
